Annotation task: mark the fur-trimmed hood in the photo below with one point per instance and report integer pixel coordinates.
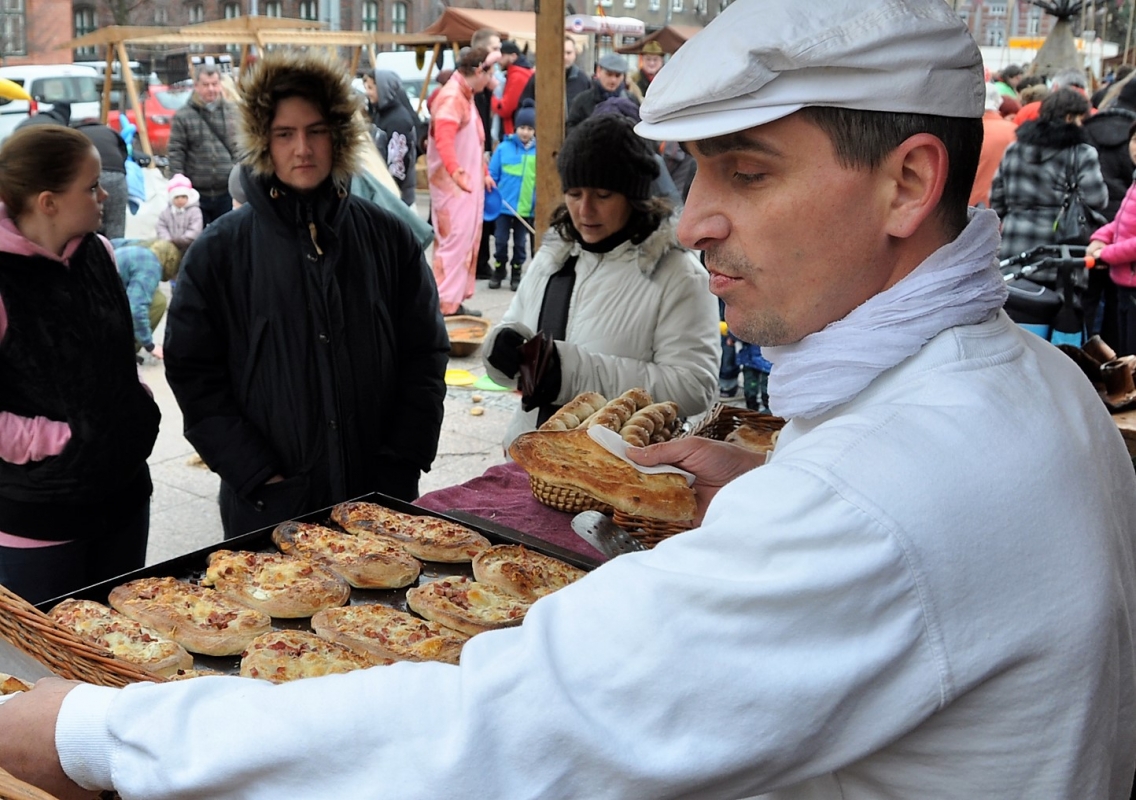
(313, 76)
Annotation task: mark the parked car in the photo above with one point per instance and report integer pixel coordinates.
(159, 104)
(49, 84)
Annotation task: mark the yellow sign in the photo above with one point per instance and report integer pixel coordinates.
(1035, 43)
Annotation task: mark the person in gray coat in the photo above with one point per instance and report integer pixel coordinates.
(1029, 187)
(203, 143)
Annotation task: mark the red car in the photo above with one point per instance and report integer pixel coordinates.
(160, 103)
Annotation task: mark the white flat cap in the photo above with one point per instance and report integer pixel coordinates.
(760, 60)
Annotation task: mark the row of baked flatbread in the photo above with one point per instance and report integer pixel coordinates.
(153, 622)
(633, 415)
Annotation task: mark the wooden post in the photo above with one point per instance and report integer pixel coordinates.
(550, 102)
(355, 53)
(426, 81)
(1128, 35)
(108, 79)
(132, 93)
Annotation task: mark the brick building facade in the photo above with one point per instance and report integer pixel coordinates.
(30, 32)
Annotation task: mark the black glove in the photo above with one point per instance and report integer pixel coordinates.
(540, 372)
(506, 355)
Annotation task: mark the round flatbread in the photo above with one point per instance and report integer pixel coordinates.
(385, 632)
(199, 619)
(280, 586)
(521, 572)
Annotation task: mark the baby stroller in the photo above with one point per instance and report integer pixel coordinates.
(1046, 287)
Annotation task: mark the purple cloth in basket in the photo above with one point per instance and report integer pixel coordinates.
(502, 494)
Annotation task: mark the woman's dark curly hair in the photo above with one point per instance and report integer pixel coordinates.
(646, 216)
(1063, 103)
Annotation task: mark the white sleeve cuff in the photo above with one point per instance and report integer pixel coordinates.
(84, 743)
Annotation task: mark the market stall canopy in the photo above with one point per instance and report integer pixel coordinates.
(459, 24)
(669, 37)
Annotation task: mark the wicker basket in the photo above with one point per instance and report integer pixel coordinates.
(563, 498)
(60, 650)
(724, 420)
(12, 788)
(719, 423)
(649, 531)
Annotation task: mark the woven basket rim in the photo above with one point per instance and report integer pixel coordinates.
(723, 419)
(62, 651)
(12, 788)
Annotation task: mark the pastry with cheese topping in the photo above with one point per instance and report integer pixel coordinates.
(281, 656)
(522, 572)
(364, 561)
(10, 684)
(200, 619)
(388, 633)
(422, 535)
(279, 585)
(467, 606)
(123, 637)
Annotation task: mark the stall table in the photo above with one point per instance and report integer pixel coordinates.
(502, 496)
(1126, 421)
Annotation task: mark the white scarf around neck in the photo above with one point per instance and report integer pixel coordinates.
(958, 284)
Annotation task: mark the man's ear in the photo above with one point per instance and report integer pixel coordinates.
(918, 169)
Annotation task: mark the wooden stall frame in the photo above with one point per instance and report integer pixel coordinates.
(248, 32)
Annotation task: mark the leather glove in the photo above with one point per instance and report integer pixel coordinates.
(540, 372)
(506, 355)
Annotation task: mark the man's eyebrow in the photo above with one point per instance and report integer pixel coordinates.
(277, 128)
(732, 143)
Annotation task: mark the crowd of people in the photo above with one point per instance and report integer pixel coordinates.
(865, 612)
(1047, 142)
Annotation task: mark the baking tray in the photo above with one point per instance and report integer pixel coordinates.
(191, 566)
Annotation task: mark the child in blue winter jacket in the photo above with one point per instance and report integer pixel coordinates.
(513, 167)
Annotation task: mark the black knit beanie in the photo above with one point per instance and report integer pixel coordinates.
(1127, 95)
(604, 152)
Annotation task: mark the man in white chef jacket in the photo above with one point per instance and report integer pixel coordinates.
(928, 590)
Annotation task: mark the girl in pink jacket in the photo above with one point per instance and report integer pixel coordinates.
(76, 425)
(1115, 244)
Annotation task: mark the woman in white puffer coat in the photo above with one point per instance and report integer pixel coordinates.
(624, 304)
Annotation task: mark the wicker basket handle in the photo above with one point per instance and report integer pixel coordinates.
(12, 788)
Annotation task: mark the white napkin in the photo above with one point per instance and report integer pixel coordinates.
(612, 442)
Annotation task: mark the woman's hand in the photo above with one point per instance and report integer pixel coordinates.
(27, 739)
(461, 178)
(490, 184)
(1094, 248)
(714, 464)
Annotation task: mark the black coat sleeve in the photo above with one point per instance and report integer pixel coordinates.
(198, 368)
(423, 352)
